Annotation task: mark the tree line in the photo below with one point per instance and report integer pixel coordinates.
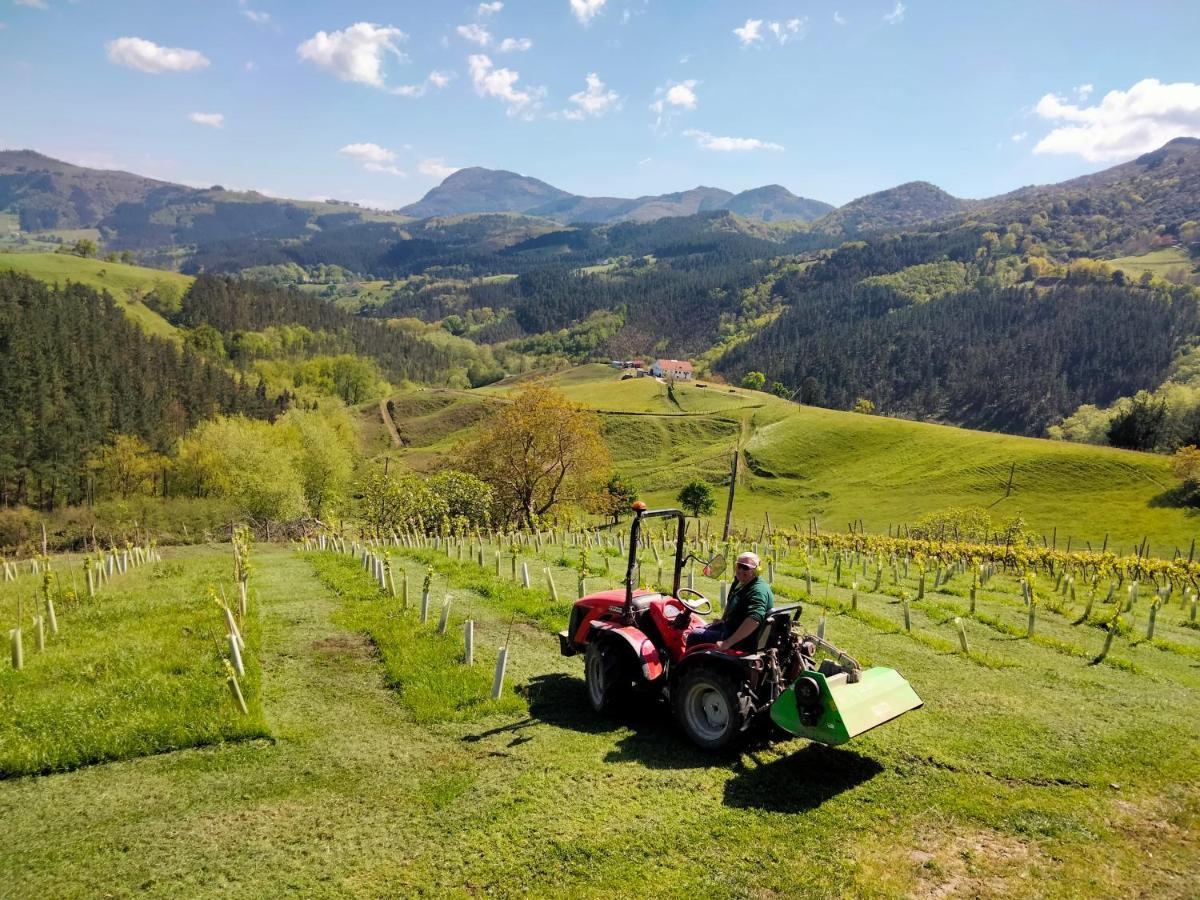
(77, 372)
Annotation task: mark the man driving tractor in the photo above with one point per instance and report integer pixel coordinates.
(750, 600)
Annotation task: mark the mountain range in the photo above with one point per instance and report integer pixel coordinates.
(158, 219)
(475, 190)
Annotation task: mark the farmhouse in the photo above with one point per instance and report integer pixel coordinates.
(671, 368)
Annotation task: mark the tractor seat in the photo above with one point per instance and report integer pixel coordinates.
(777, 620)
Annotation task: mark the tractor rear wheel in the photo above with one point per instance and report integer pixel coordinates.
(607, 676)
(708, 708)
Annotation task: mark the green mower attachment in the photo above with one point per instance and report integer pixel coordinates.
(832, 709)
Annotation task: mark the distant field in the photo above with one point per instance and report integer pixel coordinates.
(602, 387)
(839, 467)
(1159, 262)
(116, 278)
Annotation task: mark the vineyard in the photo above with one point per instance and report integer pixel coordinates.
(409, 725)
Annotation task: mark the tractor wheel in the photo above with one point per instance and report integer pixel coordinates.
(606, 674)
(708, 708)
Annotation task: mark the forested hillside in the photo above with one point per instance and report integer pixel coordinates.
(77, 372)
(230, 306)
(990, 352)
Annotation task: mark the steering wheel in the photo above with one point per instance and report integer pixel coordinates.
(702, 608)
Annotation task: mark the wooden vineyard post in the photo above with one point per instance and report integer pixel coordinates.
(907, 614)
(962, 635)
(550, 584)
(854, 596)
(445, 618)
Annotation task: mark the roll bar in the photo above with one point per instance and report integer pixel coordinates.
(639, 513)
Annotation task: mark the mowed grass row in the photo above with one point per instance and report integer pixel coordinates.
(1044, 685)
(138, 669)
(972, 795)
(1020, 760)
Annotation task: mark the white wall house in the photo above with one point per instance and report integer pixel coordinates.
(671, 368)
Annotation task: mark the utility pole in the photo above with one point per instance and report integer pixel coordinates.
(732, 486)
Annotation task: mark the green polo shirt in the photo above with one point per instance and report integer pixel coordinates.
(752, 601)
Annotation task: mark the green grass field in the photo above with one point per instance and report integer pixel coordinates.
(133, 671)
(116, 278)
(1157, 262)
(1027, 773)
(801, 462)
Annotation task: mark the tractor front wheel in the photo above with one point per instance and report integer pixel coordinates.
(707, 707)
(605, 672)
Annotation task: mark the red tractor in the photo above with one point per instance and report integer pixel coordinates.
(635, 641)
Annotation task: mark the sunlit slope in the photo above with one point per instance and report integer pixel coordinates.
(602, 387)
(842, 467)
(802, 461)
(116, 278)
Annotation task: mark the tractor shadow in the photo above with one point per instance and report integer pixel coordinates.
(649, 733)
(798, 782)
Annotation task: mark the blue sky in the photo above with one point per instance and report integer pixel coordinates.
(375, 102)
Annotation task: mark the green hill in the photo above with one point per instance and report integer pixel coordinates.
(801, 462)
(118, 279)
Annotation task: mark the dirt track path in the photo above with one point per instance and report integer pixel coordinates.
(389, 424)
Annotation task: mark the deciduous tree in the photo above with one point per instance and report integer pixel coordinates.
(539, 452)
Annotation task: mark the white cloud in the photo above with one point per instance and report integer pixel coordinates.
(645, 161)
(33, 4)
(586, 10)
(509, 45)
(257, 17)
(1020, 136)
(213, 120)
(373, 157)
(249, 65)
(1123, 123)
(502, 84)
(838, 18)
(476, 34)
(434, 79)
(674, 97)
(594, 101)
(750, 32)
(727, 144)
(436, 168)
(354, 54)
(3, 25)
(146, 56)
(1084, 91)
(896, 16)
(786, 31)
(487, 9)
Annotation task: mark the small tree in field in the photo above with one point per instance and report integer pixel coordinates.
(864, 406)
(696, 498)
(540, 451)
(615, 498)
(754, 381)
